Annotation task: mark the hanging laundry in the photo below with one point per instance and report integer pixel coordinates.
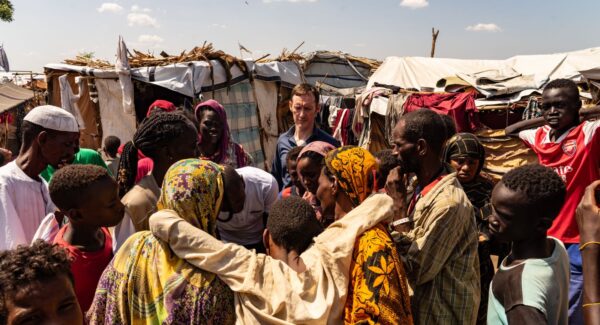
(460, 106)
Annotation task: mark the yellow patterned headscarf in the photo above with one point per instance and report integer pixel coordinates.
(194, 189)
(352, 166)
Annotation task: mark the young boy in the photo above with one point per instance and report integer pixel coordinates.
(291, 227)
(36, 286)
(110, 149)
(532, 282)
(87, 196)
(571, 148)
(296, 188)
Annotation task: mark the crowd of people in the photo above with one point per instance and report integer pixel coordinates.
(177, 227)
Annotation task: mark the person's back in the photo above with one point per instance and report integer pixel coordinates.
(532, 283)
(246, 227)
(147, 283)
(87, 196)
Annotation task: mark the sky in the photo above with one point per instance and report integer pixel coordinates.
(50, 31)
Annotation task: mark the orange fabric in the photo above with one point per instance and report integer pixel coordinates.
(378, 291)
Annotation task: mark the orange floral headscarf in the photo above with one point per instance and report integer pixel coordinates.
(352, 166)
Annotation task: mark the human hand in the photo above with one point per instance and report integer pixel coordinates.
(588, 214)
(396, 184)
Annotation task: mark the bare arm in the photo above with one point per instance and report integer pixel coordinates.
(514, 129)
(588, 219)
(525, 315)
(588, 113)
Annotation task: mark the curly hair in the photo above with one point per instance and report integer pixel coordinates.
(294, 153)
(387, 162)
(156, 131)
(570, 85)
(71, 183)
(111, 145)
(26, 264)
(292, 223)
(542, 187)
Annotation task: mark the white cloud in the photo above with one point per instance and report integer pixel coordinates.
(141, 19)
(293, 1)
(223, 26)
(150, 40)
(484, 28)
(414, 4)
(136, 8)
(110, 7)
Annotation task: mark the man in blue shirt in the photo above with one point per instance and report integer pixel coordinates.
(304, 106)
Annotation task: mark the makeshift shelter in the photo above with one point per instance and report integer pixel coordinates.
(13, 103)
(496, 93)
(248, 90)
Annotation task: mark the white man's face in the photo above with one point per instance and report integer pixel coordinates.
(304, 109)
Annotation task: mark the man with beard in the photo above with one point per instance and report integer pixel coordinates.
(50, 136)
(439, 251)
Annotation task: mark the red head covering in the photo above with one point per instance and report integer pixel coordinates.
(164, 105)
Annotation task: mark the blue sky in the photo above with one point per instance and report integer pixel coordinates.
(49, 31)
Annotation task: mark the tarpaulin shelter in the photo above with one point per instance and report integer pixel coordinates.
(505, 91)
(121, 94)
(13, 100)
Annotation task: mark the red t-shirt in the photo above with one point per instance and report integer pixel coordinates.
(87, 267)
(575, 157)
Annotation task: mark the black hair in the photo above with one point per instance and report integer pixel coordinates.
(2, 162)
(449, 125)
(293, 224)
(29, 131)
(25, 265)
(70, 184)
(314, 157)
(155, 132)
(387, 162)
(425, 124)
(294, 153)
(542, 187)
(111, 145)
(564, 84)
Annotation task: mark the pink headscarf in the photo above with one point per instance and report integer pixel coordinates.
(320, 147)
(226, 144)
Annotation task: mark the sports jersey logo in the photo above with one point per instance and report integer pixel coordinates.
(569, 147)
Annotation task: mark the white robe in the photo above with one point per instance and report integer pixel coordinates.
(24, 202)
(268, 291)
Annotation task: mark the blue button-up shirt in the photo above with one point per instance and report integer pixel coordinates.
(286, 142)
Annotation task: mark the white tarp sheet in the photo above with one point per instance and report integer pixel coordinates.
(422, 72)
(192, 78)
(115, 121)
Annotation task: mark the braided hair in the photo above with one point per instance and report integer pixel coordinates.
(155, 132)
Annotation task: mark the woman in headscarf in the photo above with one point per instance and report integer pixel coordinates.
(465, 153)
(309, 164)
(215, 139)
(146, 283)
(378, 289)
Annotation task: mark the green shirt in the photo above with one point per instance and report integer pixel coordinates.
(83, 157)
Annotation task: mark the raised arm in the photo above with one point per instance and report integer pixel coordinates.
(588, 219)
(514, 129)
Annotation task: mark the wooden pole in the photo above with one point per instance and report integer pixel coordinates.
(434, 35)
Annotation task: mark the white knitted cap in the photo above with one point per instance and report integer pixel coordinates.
(52, 118)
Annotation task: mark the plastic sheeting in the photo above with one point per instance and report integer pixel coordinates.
(193, 78)
(115, 121)
(421, 72)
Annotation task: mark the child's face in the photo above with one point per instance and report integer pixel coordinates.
(103, 207)
(512, 218)
(49, 302)
(293, 172)
(309, 172)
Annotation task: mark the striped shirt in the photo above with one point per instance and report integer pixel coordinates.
(440, 256)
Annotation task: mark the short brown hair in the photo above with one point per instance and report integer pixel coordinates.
(304, 89)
